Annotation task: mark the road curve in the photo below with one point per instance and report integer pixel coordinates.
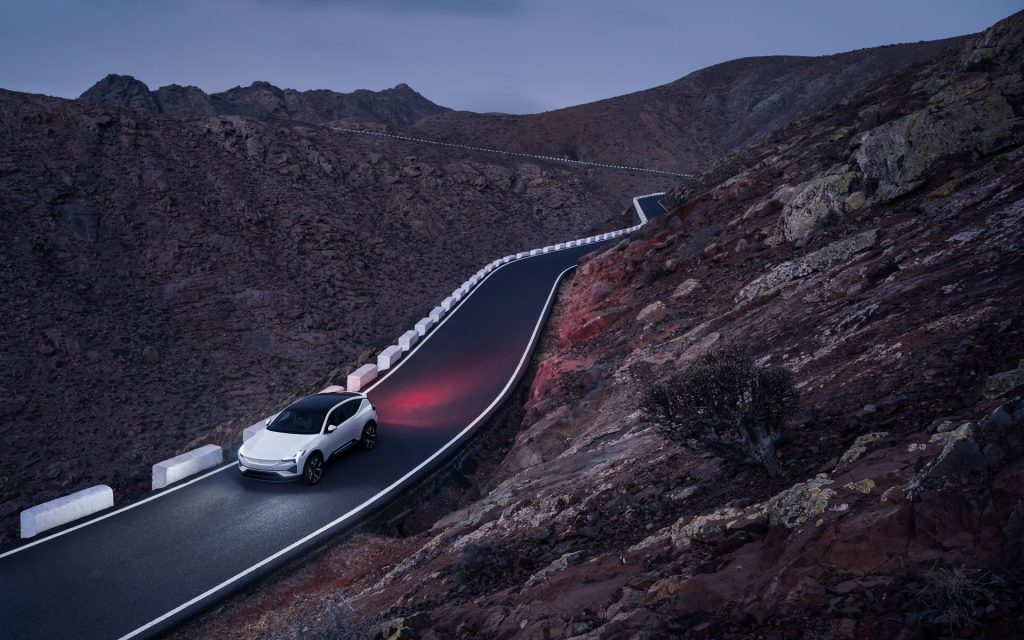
(139, 570)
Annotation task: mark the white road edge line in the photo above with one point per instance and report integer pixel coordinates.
(369, 501)
(114, 513)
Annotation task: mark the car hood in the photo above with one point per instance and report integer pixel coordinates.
(273, 445)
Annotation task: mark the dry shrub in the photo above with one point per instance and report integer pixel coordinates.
(727, 404)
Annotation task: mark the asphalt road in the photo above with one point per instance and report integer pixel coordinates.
(144, 568)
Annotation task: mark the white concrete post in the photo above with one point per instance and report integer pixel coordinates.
(361, 377)
(408, 339)
(423, 326)
(191, 462)
(54, 513)
(388, 357)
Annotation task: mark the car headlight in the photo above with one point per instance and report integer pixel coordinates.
(294, 457)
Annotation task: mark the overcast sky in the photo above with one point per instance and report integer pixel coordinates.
(516, 56)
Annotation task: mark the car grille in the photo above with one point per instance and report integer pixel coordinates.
(258, 461)
(271, 465)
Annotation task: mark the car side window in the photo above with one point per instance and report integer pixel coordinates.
(344, 412)
(337, 416)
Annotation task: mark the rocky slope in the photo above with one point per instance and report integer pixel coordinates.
(693, 121)
(397, 107)
(166, 275)
(875, 250)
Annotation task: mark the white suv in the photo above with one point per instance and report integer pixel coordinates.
(300, 439)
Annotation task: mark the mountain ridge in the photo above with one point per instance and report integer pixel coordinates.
(398, 106)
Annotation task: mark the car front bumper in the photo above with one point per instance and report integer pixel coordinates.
(268, 469)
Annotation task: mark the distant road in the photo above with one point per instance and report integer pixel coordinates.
(456, 145)
(139, 570)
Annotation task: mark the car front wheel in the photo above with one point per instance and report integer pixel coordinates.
(369, 439)
(313, 471)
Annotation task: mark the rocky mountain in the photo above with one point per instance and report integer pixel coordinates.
(400, 106)
(874, 251)
(690, 123)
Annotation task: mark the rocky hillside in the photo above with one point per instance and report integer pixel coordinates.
(690, 123)
(397, 107)
(873, 250)
(165, 275)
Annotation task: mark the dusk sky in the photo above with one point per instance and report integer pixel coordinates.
(516, 56)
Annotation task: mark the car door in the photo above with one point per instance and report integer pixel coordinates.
(353, 427)
(347, 430)
(339, 437)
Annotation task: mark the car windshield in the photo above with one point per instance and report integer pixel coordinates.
(306, 421)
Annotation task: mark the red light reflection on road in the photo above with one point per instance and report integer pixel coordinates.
(452, 393)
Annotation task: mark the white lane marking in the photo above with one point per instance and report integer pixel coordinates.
(369, 501)
(114, 513)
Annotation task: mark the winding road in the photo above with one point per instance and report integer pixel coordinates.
(139, 570)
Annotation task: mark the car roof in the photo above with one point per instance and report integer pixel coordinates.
(324, 401)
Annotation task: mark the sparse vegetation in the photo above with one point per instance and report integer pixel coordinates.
(955, 596)
(727, 404)
(327, 617)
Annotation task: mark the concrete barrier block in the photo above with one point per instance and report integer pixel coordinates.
(448, 303)
(334, 388)
(191, 462)
(361, 377)
(388, 357)
(54, 513)
(408, 339)
(457, 295)
(559, 246)
(522, 254)
(423, 326)
(436, 314)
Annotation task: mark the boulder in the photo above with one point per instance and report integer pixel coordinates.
(837, 253)
(899, 154)
(652, 313)
(801, 502)
(960, 453)
(819, 201)
(861, 445)
(685, 288)
(1001, 383)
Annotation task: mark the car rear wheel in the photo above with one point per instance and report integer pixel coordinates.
(369, 439)
(314, 469)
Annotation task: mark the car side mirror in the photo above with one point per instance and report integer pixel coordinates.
(331, 428)
(266, 423)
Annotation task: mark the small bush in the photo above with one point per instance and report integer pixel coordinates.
(956, 595)
(727, 404)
